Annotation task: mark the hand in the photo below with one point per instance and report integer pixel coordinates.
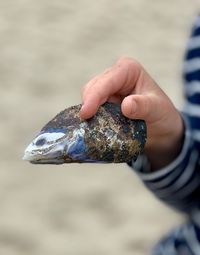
(127, 83)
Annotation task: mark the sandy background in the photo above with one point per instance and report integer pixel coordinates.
(48, 50)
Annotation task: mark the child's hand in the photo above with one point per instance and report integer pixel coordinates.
(127, 83)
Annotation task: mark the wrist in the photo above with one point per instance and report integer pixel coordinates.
(161, 150)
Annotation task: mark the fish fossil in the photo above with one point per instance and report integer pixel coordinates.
(108, 137)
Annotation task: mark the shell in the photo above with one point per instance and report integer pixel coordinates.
(108, 137)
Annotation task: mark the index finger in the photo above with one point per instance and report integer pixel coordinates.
(116, 79)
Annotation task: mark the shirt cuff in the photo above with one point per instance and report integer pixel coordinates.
(142, 165)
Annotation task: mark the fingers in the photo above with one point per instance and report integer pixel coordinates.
(140, 107)
(93, 97)
(91, 105)
(119, 79)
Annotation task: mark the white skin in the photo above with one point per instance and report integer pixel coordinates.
(128, 83)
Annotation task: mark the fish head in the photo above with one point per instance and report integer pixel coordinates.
(56, 146)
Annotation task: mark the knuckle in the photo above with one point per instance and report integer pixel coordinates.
(89, 85)
(111, 81)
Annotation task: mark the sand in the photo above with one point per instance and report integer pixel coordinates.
(48, 50)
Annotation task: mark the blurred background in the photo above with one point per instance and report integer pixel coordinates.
(48, 50)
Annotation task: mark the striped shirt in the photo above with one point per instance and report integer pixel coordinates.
(178, 184)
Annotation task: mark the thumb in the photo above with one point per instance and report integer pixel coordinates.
(138, 107)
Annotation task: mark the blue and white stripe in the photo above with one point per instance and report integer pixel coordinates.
(178, 184)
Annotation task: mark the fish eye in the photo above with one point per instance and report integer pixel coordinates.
(40, 142)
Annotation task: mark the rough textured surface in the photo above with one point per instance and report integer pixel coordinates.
(46, 46)
(107, 137)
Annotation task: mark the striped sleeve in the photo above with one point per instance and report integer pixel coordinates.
(178, 184)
